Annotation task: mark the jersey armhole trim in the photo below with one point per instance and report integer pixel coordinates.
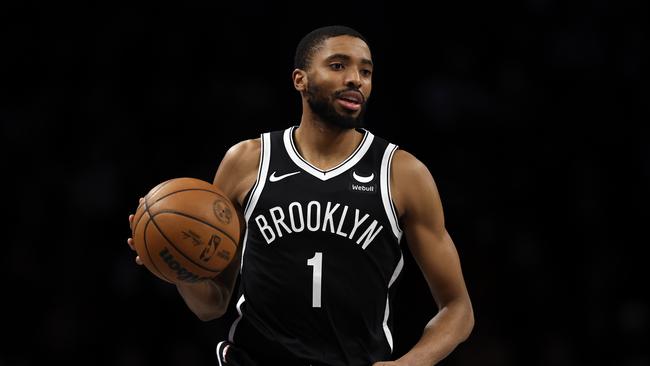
(233, 327)
(262, 172)
(386, 196)
(396, 273)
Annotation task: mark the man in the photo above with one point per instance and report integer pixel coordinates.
(324, 206)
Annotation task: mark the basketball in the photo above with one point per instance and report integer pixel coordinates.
(186, 230)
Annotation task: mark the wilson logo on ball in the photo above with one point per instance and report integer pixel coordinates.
(182, 273)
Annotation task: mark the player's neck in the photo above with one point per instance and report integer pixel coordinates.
(324, 145)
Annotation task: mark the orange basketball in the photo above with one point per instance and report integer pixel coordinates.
(186, 229)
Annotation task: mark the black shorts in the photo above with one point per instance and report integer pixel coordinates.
(251, 348)
(229, 354)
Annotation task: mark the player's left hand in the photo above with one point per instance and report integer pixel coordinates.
(387, 363)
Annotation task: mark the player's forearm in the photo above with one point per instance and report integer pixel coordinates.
(451, 326)
(206, 299)
(209, 299)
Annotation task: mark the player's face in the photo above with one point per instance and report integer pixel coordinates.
(340, 81)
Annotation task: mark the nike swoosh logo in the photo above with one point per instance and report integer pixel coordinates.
(361, 179)
(274, 178)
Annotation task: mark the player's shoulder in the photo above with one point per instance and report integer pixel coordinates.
(404, 164)
(407, 165)
(242, 157)
(244, 152)
(238, 168)
(409, 171)
(410, 181)
(245, 147)
(251, 149)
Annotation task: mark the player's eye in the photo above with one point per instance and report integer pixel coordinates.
(366, 72)
(336, 66)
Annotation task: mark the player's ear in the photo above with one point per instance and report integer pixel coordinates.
(299, 80)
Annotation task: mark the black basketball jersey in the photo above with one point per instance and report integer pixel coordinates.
(321, 253)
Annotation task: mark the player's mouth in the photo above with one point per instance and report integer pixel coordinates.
(351, 100)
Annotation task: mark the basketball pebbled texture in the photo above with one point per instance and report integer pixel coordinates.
(186, 229)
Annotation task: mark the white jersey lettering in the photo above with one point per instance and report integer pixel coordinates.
(279, 220)
(265, 228)
(357, 223)
(292, 218)
(316, 215)
(369, 234)
(329, 216)
(294, 222)
(338, 229)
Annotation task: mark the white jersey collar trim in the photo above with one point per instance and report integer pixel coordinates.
(346, 164)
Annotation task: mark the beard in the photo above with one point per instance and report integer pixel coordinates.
(323, 107)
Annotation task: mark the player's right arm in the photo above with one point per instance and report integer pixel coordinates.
(235, 177)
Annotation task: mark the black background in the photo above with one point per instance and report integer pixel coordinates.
(531, 116)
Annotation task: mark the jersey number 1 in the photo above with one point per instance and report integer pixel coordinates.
(317, 262)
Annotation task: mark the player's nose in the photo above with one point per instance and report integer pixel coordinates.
(353, 79)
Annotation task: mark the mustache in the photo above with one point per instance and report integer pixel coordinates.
(338, 93)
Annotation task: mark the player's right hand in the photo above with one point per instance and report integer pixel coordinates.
(130, 240)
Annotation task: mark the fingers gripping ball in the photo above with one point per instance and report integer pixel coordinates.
(186, 229)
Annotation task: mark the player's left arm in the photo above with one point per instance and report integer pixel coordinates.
(421, 216)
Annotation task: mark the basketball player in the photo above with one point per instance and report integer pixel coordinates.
(325, 205)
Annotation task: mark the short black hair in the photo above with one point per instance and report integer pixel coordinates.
(310, 42)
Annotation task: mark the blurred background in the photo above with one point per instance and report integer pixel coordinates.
(531, 116)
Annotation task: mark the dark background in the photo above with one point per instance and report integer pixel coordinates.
(530, 115)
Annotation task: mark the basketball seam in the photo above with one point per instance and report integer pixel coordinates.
(144, 235)
(135, 226)
(160, 186)
(181, 252)
(200, 220)
(189, 189)
(146, 207)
